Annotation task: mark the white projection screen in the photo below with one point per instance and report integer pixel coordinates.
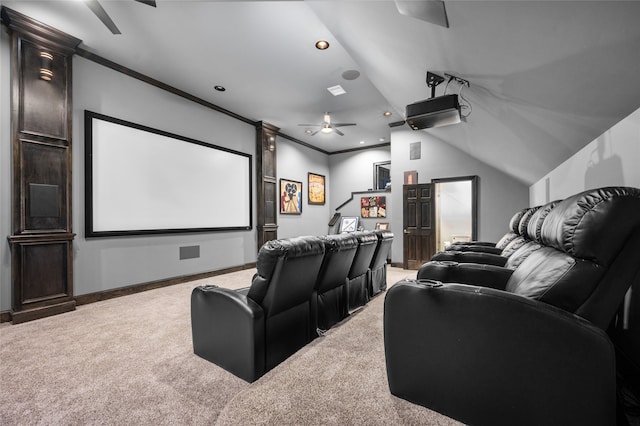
(140, 180)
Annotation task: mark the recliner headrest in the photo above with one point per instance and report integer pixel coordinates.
(272, 250)
(338, 242)
(366, 237)
(514, 223)
(524, 221)
(594, 224)
(535, 224)
(383, 234)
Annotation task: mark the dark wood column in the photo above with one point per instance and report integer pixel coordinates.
(268, 193)
(41, 117)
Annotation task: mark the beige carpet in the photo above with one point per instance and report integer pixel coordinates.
(130, 361)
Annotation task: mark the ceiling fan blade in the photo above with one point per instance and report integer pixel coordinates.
(432, 11)
(338, 132)
(97, 9)
(343, 124)
(147, 2)
(315, 132)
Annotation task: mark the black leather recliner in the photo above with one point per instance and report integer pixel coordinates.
(489, 247)
(531, 350)
(332, 303)
(248, 332)
(359, 273)
(378, 265)
(529, 241)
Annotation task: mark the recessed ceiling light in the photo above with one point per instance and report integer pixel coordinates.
(336, 90)
(219, 88)
(381, 139)
(387, 113)
(308, 131)
(322, 44)
(361, 142)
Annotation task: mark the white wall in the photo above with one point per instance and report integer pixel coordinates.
(294, 163)
(499, 195)
(610, 160)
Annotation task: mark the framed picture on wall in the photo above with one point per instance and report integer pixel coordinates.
(373, 206)
(382, 226)
(348, 224)
(290, 197)
(316, 191)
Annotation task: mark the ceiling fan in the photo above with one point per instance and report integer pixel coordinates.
(327, 127)
(99, 11)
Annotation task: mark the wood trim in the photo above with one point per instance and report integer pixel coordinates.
(139, 288)
(160, 85)
(360, 149)
(38, 32)
(6, 316)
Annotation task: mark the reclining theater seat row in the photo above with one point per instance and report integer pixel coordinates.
(532, 350)
(488, 247)
(299, 290)
(515, 252)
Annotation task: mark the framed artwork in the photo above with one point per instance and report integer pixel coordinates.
(373, 206)
(290, 197)
(348, 224)
(316, 192)
(382, 226)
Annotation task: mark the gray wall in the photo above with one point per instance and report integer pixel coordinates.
(107, 263)
(499, 195)
(610, 160)
(294, 163)
(353, 172)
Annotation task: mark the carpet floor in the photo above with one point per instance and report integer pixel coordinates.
(130, 360)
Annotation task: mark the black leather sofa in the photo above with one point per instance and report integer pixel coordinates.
(526, 346)
(301, 289)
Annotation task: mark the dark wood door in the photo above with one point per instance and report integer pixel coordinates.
(418, 216)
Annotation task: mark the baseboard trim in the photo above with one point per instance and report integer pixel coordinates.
(6, 316)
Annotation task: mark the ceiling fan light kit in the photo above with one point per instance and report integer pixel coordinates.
(327, 127)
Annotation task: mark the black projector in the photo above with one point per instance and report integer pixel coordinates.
(434, 112)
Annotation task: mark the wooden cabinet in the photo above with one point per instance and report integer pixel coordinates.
(41, 118)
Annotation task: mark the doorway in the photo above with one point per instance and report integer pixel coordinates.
(456, 210)
(437, 214)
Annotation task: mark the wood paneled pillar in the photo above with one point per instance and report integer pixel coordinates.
(268, 193)
(41, 118)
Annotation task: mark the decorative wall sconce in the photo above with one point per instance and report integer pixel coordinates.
(46, 66)
(272, 146)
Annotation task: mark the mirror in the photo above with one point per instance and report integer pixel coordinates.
(382, 175)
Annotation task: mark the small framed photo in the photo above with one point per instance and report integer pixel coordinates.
(348, 224)
(290, 197)
(316, 191)
(382, 225)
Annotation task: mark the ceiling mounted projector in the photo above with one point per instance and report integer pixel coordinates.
(438, 110)
(434, 112)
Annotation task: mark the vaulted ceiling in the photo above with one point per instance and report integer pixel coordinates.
(545, 77)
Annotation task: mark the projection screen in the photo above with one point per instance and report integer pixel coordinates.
(140, 180)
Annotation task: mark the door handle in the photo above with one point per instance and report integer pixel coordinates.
(405, 231)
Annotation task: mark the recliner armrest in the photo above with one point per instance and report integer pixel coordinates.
(466, 273)
(474, 248)
(484, 356)
(228, 329)
(470, 257)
